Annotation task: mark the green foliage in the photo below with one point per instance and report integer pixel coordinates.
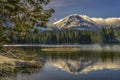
(24, 14)
(21, 15)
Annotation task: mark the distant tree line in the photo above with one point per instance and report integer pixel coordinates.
(35, 36)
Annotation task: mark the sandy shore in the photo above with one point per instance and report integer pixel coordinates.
(4, 59)
(9, 66)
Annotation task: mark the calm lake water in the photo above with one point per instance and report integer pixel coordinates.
(77, 65)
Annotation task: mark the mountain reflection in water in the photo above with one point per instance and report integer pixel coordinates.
(84, 65)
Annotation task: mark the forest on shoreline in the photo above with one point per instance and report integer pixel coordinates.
(36, 36)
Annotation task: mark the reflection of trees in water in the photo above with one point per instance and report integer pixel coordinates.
(87, 54)
(103, 55)
(74, 62)
(77, 62)
(110, 55)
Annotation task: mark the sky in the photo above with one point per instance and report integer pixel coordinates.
(91, 8)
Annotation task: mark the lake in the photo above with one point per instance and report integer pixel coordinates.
(73, 65)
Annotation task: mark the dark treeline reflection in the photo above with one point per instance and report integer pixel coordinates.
(102, 55)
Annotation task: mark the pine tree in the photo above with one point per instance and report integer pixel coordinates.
(24, 14)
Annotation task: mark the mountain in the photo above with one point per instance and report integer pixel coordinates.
(76, 21)
(83, 22)
(108, 22)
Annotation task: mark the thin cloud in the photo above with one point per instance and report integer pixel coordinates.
(60, 3)
(65, 3)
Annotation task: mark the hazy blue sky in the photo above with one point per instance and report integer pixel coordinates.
(92, 8)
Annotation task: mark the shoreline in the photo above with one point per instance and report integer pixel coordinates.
(12, 61)
(85, 47)
(12, 66)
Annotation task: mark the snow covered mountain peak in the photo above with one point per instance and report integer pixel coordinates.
(83, 22)
(75, 21)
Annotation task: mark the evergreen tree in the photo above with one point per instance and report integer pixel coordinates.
(24, 14)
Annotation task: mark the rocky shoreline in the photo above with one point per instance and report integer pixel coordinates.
(13, 61)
